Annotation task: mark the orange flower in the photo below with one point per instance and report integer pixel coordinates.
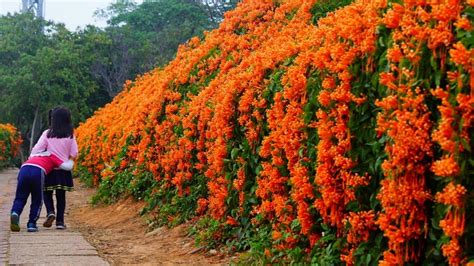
(461, 56)
(202, 206)
(393, 16)
(464, 23)
(453, 252)
(446, 167)
(231, 221)
(394, 54)
(452, 195)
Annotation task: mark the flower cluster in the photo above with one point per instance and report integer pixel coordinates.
(406, 120)
(254, 125)
(452, 134)
(10, 142)
(361, 223)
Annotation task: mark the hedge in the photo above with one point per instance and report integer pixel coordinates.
(322, 132)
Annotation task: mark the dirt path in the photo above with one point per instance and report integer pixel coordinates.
(120, 234)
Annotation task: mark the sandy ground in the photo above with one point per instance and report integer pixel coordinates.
(121, 236)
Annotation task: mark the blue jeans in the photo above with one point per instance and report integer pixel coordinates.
(30, 181)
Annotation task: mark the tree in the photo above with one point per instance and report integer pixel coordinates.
(142, 37)
(215, 9)
(45, 68)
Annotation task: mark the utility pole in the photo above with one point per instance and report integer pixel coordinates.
(37, 6)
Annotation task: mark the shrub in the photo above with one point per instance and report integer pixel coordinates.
(308, 133)
(10, 142)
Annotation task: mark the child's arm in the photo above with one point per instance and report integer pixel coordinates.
(67, 165)
(41, 145)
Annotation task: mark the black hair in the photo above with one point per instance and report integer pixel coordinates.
(60, 123)
(50, 113)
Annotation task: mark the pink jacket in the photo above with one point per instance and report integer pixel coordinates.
(64, 148)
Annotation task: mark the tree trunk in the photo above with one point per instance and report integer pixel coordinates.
(33, 128)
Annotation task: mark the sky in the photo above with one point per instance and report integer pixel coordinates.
(73, 13)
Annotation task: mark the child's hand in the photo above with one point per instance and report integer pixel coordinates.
(67, 165)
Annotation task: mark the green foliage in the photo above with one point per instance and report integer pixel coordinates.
(112, 189)
(169, 208)
(142, 37)
(42, 65)
(323, 7)
(259, 242)
(208, 232)
(85, 177)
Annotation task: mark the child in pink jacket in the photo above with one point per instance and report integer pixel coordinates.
(58, 139)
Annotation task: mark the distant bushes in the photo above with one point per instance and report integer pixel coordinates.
(10, 142)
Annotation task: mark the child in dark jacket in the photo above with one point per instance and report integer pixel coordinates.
(31, 181)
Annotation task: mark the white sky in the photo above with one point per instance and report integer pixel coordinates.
(73, 13)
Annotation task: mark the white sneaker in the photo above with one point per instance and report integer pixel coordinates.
(61, 226)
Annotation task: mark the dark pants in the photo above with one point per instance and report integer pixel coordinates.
(30, 181)
(60, 204)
